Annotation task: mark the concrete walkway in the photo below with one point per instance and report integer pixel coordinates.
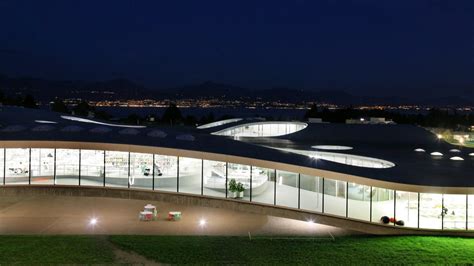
(71, 215)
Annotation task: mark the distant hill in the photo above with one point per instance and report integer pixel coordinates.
(46, 90)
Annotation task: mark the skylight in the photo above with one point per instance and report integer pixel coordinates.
(84, 120)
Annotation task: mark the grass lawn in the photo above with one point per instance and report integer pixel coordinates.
(346, 250)
(33, 250)
(236, 250)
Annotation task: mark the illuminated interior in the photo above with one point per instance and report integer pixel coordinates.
(262, 129)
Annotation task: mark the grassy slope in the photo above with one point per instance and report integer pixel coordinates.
(33, 250)
(348, 250)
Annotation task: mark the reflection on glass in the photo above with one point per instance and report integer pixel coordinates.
(190, 175)
(407, 208)
(92, 168)
(263, 185)
(334, 197)
(166, 173)
(382, 204)
(17, 166)
(67, 167)
(311, 193)
(214, 177)
(454, 212)
(358, 202)
(430, 210)
(42, 166)
(141, 170)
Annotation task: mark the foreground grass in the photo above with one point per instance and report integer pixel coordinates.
(346, 250)
(33, 250)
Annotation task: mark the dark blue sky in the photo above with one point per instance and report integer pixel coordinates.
(387, 47)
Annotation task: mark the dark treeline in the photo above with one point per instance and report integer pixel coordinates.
(434, 118)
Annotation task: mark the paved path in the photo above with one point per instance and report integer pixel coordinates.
(71, 215)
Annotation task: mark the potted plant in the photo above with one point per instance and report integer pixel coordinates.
(240, 190)
(233, 188)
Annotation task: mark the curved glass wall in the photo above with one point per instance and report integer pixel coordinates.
(190, 172)
(42, 166)
(166, 173)
(214, 178)
(219, 123)
(260, 185)
(262, 129)
(141, 170)
(67, 167)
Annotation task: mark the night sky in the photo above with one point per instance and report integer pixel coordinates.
(369, 46)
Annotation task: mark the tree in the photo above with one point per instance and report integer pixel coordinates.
(172, 114)
(83, 108)
(312, 112)
(29, 102)
(58, 106)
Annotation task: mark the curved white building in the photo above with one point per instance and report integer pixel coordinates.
(380, 175)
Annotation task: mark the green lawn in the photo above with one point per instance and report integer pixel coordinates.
(237, 250)
(33, 250)
(347, 250)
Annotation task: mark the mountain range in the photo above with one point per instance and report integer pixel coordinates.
(46, 90)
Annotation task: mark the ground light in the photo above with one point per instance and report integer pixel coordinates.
(202, 222)
(439, 136)
(93, 221)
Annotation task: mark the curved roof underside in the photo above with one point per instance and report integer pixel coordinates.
(393, 143)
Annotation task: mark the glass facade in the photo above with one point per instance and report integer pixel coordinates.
(190, 175)
(358, 205)
(214, 178)
(211, 178)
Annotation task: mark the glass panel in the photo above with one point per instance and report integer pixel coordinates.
(407, 208)
(214, 178)
(67, 167)
(92, 168)
(166, 173)
(287, 189)
(263, 185)
(241, 175)
(2, 166)
(454, 212)
(116, 169)
(42, 166)
(190, 175)
(17, 168)
(141, 170)
(311, 193)
(358, 202)
(334, 197)
(430, 210)
(470, 212)
(382, 204)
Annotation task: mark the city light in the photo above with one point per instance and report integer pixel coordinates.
(439, 136)
(202, 222)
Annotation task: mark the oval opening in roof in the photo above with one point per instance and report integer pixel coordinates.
(332, 147)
